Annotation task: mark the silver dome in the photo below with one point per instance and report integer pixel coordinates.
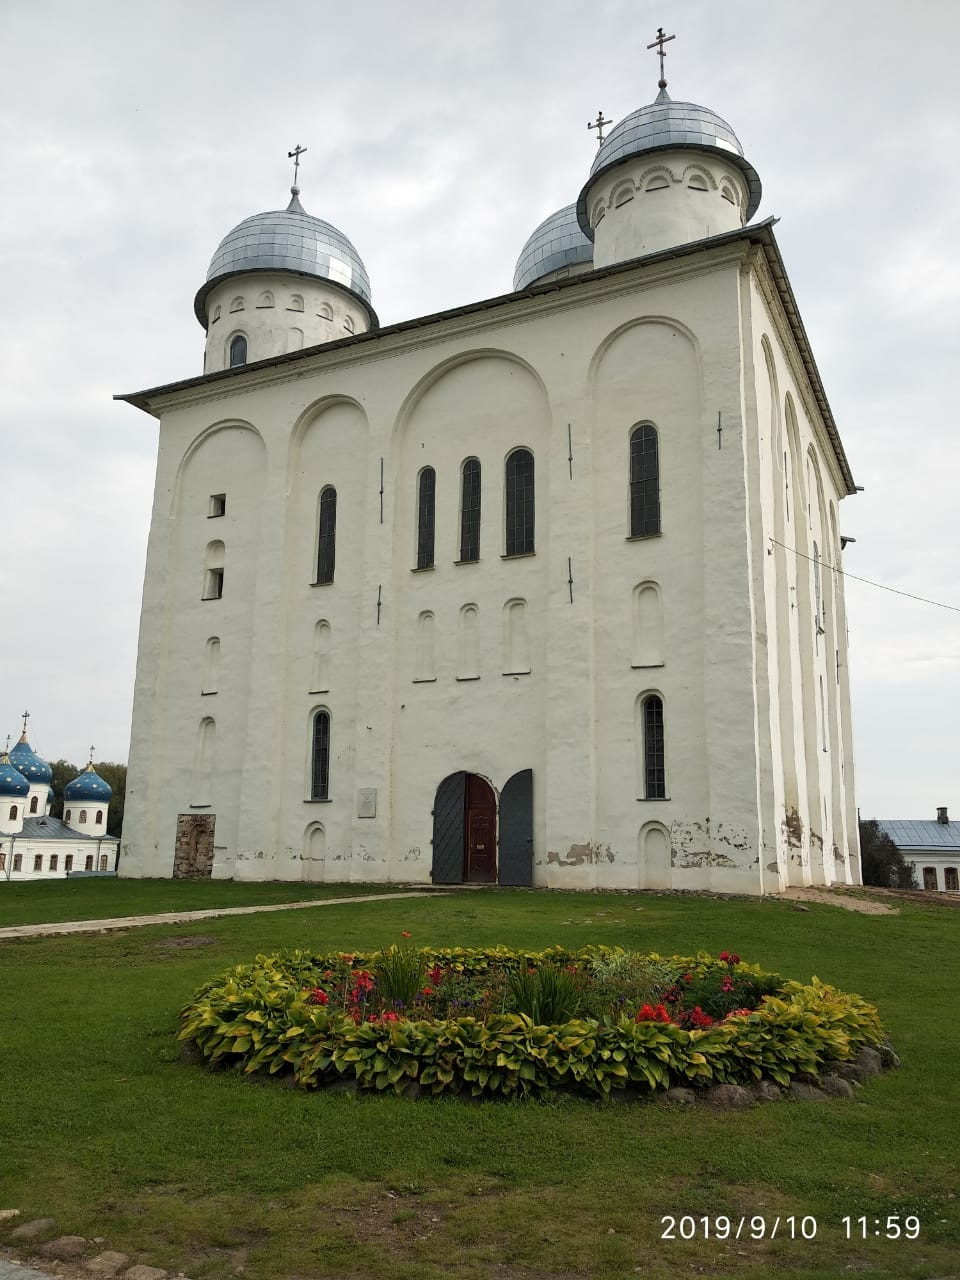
(557, 242)
(662, 124)
(288, 240)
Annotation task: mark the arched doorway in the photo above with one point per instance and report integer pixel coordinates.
(473, 843)
(465, 831)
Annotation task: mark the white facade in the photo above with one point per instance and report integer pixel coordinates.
(535, 669)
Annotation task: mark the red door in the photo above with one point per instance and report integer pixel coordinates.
(480, 832)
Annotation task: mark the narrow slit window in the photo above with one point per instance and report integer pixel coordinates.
(519, 503)
(320, 761)
(644, 482)
(327, 539)
(426, 517)
(238, 351)
(470, 510)
(655, 779)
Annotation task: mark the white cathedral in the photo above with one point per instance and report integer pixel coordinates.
(539, 590)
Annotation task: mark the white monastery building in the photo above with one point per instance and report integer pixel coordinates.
(33, 844)
(539, 590)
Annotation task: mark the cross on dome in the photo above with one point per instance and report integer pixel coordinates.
(658, 44)
(295, 155)
(598, 125)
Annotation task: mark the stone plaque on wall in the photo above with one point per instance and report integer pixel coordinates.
(367, 802)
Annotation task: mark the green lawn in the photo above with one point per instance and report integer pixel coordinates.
(37, 901)
(106, 1131)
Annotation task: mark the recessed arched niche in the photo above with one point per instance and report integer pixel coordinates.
(653, 856)
(647, 602)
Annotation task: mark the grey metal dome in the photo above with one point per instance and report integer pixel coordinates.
(557, 242)
(288, 240)
(665, 124)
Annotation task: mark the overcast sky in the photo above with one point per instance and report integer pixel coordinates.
(132, 138)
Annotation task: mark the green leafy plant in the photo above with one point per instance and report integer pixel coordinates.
(399, 976)
(546, 994)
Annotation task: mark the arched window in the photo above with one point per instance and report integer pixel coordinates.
(211, 666)
(103, 862)
(426, 517)
(13, 812)
(320, 757)
(644, 482)
(296, 302)
(348, 324)
(470, 510)
(68, 815)
(930, 877)
(326, 311)
(203, 761)
(216, 314)
(237, 304)
(265, 299)
(214, 560)
(519, 503)
(88, 862)
(83, 816)
(327, 538)
(54, 861)
(34, 801)
(654, 773)
(99, 815)
(950, 880)
(238, 351)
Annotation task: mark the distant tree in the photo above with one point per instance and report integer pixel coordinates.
(114, 775)
(881, 862)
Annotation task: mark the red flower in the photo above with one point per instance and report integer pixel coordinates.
(435, 975)
(404, 934)
(734, 958)
(727, 984)
(688, 977)
(724, 955)
(647, 1013)
(318, 996)
(427, 991)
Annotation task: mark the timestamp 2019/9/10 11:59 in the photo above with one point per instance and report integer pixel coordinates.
(790, 1226)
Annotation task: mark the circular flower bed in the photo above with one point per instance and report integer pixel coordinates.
(505, 1023)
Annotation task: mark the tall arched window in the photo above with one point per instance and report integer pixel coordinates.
(327, 540)
(426, 517)
(320, 757)
(99, 815)
(83, 817)
(519, 503)
(211, 666)
(238, 351)
(644, 482)
(654, 771)
(34, 801)
(470, 510)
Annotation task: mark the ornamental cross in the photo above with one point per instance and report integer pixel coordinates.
(658, 44)
(91, 755)
(598, 125)
(26, 717)
(295, 155)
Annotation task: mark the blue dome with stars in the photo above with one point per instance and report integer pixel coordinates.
(12, 781)
(27, 762)
(88, 786)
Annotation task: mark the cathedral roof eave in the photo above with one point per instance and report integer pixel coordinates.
(760, 234)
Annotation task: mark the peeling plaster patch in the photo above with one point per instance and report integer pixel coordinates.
(773, 866)
(412, 855)
(690, 846)
(792, 827)
(837, 856)
(578, 854)
(815, 839)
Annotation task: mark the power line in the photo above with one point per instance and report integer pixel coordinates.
(879, 585)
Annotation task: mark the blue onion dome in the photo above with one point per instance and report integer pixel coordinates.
(557, 242)
(27, 762)
(12, 781)
(667, 124)
(88, 786)
(288, 240)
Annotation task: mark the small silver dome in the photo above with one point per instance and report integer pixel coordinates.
(557, 242)
(288, 240)
(664, 124)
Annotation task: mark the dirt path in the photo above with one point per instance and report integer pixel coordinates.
(184, 917)
(841, 896)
